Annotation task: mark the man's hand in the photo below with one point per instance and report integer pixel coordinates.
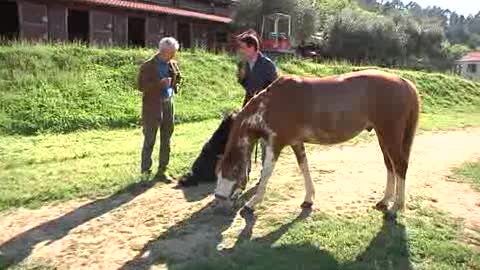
(241, 73)
(166, 82)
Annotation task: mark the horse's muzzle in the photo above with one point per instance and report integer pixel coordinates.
(224, 205)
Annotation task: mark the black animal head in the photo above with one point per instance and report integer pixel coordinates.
(203, 168)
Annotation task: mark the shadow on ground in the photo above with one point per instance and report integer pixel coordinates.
(20, 247)
(192, 244)
(197, 193)
(193, 238)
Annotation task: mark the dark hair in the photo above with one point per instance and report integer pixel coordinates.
(250, 40)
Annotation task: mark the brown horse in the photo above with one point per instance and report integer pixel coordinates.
(330, 110)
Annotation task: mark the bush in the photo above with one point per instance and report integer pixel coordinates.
(389, 40)
(361, 36)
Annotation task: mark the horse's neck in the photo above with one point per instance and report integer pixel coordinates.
(240, 143)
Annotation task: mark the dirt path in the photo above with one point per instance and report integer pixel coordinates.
(119, 231)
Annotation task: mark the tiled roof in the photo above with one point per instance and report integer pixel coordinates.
(157, 9)
(469, 57)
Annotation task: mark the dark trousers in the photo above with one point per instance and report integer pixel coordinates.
(164, 122)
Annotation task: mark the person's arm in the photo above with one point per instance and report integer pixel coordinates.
(148, 81)
(271, 73)
(241, 73)
(176, 75)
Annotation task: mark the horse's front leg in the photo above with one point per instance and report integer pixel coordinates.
(299, 150)
(271, 157)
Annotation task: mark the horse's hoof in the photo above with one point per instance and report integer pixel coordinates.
(381, 206)
(247, 212)
(306, 205)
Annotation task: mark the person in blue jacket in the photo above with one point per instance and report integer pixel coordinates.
(256, 71)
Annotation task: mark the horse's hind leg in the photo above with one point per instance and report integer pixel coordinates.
(299, 150)
(392, 146)
(400, 163)
(382, 205)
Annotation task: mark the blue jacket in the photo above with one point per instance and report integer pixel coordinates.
(263, 74)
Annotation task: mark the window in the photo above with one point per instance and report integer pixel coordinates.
(9, 28)
(78, 25)
(136, 32)
(472, 68)
(221, 37)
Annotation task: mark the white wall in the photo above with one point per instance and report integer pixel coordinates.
(467, 74)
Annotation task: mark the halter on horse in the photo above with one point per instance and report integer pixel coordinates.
(330, 110)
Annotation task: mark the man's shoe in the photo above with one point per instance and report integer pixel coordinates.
(145, 175)
(162, 177)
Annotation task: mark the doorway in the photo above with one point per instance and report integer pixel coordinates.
(9, 28)
(184, 35)
(136, 32)
(78, 26)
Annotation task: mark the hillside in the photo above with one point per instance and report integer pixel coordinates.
(62, 88)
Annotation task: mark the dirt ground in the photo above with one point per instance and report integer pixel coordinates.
(134, 229)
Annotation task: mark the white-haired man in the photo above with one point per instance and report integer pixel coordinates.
(158, 80)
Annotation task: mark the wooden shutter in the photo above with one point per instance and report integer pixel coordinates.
(155, 30)
(101, 28)
(120, 28)
(57, 23)
(33, 21)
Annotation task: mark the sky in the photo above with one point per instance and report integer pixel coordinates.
(463, 7)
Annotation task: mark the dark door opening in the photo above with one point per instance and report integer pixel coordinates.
(78, 26)
(9, 28)
(184, 35)
(136, 32)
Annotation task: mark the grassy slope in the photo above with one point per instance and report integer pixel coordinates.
(70, 87)
(64, 88)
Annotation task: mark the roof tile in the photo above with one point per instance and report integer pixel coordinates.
(469, 57)
(157, 9)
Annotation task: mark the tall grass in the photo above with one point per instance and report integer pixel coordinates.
(63, 88)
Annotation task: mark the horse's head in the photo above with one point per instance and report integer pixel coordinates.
(232, 169)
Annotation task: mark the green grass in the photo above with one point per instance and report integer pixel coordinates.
(423, 239)
(39, 169)
(468, 173)
(57, 167)
(64, 88)
(449, 120)
(47, 90)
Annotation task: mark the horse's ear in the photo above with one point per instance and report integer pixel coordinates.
(230, 114)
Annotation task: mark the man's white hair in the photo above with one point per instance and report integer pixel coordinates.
(168, 43)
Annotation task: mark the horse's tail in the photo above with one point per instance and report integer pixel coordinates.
(412, 120)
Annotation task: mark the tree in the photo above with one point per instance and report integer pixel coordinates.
(248, 14)
(304, 15)
(305, 20)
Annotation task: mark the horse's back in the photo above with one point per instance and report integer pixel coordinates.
(371, 86)
(336, 108)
